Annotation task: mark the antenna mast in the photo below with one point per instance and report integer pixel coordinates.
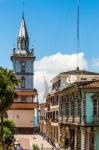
(78, 44)
(23, 8)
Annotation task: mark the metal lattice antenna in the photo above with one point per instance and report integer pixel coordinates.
(78, 43)
(23, 8)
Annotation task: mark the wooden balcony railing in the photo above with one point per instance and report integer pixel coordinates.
(96, 119)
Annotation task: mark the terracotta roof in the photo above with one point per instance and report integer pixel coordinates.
(93, 84)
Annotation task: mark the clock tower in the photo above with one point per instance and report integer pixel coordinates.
(22, 109)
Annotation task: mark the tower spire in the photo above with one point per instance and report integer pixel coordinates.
(78, 43)
(23, 38)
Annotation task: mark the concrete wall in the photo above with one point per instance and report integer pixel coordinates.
(22, 118)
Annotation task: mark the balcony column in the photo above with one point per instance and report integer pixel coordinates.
(88, 139)
(75, 138)
(94, 137)
(69, 144)
(55, 116)
(55, 128)
(83, 146)
(58, 133)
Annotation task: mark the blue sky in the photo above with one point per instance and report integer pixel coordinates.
(52, 28)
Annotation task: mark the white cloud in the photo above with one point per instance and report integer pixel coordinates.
(96, 62)
(49, 66)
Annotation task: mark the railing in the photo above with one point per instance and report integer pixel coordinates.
(76, 119)
(70, 119)
(65, 119)
(96, 119)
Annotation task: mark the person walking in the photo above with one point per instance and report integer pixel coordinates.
(59, 148)
(54, 147)
(42, 146)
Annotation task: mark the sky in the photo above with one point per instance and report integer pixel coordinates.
(52, 29)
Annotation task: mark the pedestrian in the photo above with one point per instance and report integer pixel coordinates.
(42, 146)
(54, 147)
(19, 147)
(58, 148)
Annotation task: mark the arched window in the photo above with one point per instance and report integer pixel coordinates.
(23, 44)
(23, 99)
(23, 66)
(23, 82)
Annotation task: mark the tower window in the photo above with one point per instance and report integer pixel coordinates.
(23, 82)
(23, 99)
(23, 66)
(23, 44)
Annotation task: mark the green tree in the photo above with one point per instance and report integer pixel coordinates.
(10, 125)
(8, 82)
(35, 147)
(9, 130)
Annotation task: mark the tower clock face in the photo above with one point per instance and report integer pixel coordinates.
(71, 79)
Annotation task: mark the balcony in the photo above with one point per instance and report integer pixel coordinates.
(23, 105)
(96, 119)
(60, 119)
(70, 119)
(76, 119)
(65, 119)
(27, 93)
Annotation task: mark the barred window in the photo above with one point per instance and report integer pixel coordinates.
(72, 107)
(23, 66)
(95, 105)
(23, 82)
(23, 99)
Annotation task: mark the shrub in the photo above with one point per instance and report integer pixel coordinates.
(36, 147)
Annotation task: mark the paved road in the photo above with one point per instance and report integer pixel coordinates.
(28, 140)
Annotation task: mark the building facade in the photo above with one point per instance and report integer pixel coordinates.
(22, 109)
(66, 106)
(78, 117)
(43, 109)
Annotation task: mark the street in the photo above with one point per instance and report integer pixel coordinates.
(28, 140)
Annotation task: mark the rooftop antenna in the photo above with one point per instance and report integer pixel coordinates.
(23, 8)
(78, 43)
